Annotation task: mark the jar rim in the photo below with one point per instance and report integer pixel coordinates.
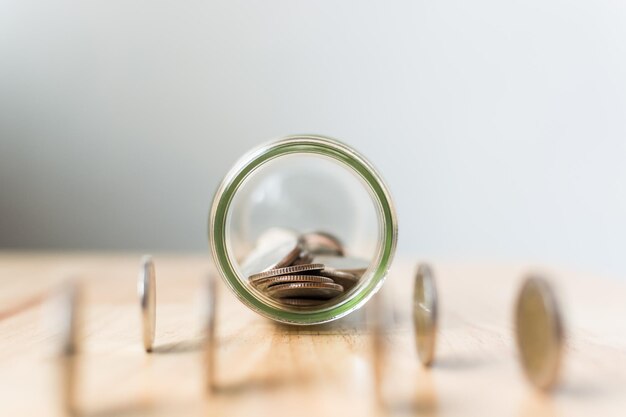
(301, 144)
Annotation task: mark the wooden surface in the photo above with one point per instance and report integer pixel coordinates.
(269, 369)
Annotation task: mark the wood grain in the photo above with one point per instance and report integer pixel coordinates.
(265, 368)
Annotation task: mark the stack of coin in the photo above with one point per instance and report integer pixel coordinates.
(306, 270)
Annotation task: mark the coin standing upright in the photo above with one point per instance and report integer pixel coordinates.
(425, 313)
(146, 289)
(209, 311)
(64, 319)
(539, 332)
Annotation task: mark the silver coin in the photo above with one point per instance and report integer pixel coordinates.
(322, 243)
(275, 235)
(346, 279)
(349, 264)
(278, 255)
(358, 272)
(264, 283)
(146, 289)
(288, 270)
(302, 302)
(209, 311)
(65, 321)
(305, 258)
(305, 290)
(425, 314)
(376, 318)
(66, 310)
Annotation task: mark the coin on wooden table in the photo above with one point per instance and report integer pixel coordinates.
(208, 317)
(322, 243)
(63, 317)
(539, 332)
(302, 302)
(288, 270)
(346, 279)
(146, 289)
(280, 254)
(425, 314)
(266, 283)
(320, 291)
(376, 318)
(64, 320)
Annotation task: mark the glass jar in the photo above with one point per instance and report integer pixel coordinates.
(303, 183)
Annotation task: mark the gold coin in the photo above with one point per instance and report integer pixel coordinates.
(288, 270)
(265, 283)
(320, 291)
(539, 332)
(425, 314)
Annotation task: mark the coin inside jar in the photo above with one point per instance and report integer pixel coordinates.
(539, 332)
(274, 255)
(275, 234)
(302, 302)
(265, 283)
(285, 267)
(322, 243)
(345, 279)
(305, 258)
(288, 270)
(321, 291)
(356, 266)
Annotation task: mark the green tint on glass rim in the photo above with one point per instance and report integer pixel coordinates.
(313, 145)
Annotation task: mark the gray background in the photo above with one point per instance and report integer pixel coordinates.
(499, 125)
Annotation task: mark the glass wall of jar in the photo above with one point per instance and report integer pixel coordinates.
(303, 230)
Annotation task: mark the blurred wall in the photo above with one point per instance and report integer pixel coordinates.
(499, 125)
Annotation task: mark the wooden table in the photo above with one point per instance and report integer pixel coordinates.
(269, 369)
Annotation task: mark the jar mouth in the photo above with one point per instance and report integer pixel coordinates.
(344, 156)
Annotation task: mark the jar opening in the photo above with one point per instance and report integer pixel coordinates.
(312, 198)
